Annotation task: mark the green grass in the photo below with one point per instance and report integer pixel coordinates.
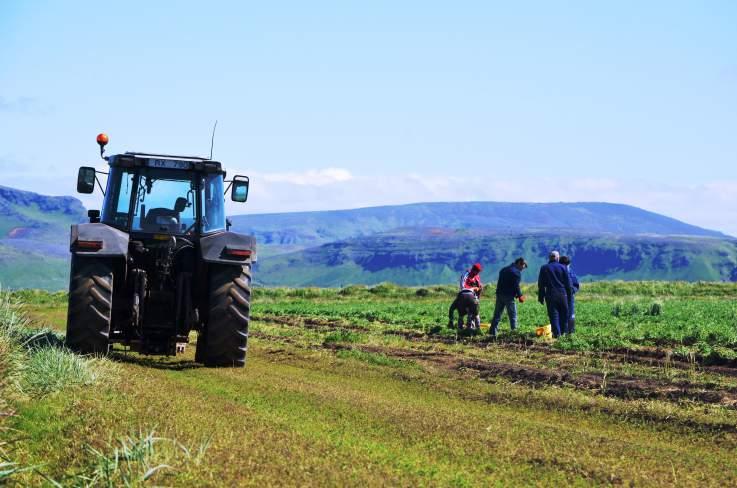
(373, 358)
(20, 269)
(342, 336)
(333, 394)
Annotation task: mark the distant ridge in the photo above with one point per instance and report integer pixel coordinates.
(314, 228)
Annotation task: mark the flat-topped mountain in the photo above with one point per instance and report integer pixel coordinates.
(313, 228)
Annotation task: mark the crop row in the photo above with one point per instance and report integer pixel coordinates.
(705, 326)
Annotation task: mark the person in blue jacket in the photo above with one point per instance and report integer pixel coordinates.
(507, 290)
(554, 290)
(575, 286)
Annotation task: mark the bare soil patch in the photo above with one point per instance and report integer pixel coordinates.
(625, 387)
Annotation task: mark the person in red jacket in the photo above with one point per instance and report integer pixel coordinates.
(471, 279)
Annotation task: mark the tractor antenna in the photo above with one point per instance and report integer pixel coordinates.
(212, 139)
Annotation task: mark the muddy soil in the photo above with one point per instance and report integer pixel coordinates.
(647, 356)
(620, 386)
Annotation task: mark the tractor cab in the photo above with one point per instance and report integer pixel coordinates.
(163, 194)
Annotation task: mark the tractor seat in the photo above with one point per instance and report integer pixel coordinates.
(164, 219)
(157, 216)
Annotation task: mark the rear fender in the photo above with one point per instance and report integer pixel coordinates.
(213, 248)
(114, 241)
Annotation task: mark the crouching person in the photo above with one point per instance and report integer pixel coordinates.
(466, 304)
(470, 290)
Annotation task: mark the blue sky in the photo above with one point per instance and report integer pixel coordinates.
(345, 104)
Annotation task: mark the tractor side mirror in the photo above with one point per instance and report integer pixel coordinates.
(239, 190)
(94, 216)
(86, 180)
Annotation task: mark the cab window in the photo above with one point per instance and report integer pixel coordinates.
(213, 210)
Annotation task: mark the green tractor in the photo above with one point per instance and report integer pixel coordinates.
(160, 261)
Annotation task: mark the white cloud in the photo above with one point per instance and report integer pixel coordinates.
(594, 184)
(314, 177)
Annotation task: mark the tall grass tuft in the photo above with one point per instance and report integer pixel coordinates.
(14, 325)
(51, 369)
(136, 459)
(13, 331)
(35, 361)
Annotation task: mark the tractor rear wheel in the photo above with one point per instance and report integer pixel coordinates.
(224, 340)
(90, 305)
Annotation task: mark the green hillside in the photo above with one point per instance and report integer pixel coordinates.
(34, 236)
(424, 256)
(28, 215)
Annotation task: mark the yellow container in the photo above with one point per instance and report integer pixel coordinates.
(484, 325)
(545, 331)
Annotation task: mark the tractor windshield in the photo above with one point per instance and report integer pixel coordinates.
(164, 202)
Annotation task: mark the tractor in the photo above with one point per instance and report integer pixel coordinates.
(160, 261)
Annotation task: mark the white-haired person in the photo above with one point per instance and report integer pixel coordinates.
(554, 290)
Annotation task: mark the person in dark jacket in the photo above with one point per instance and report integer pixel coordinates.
(507, 290)
(554, 290)
(575, 286)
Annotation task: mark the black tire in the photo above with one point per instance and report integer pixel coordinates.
(224, 341)
(199, 352)
(90, 305)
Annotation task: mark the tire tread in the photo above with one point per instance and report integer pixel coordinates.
(90, 305)
(224, 341)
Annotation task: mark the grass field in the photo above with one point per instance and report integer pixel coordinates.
(367, 386)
